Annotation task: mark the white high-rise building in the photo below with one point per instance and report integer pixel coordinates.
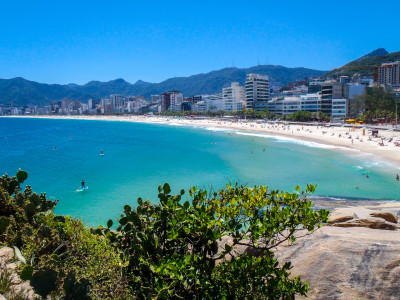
(176, 101)
(233, 97)
(257, 91)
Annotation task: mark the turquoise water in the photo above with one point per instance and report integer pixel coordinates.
(140, 157)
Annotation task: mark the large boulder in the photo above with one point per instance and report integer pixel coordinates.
(387, 215)
(347, 263)
(373, 223)
(371, 217)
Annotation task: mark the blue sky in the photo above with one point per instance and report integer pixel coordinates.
(79, 41)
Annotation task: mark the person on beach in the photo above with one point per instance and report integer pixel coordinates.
(397, 177)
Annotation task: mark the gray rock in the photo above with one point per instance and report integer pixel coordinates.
(387, 215)
(347, 263)
(373, 223)
(6, 254)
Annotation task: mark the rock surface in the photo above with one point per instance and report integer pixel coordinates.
(19, 287)
(352, 262)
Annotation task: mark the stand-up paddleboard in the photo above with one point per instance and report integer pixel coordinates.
(82, 189)
(101, 153)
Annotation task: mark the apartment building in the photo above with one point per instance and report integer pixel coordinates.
(233, 97)
(329, 91)
(388, 74)
(257, 91)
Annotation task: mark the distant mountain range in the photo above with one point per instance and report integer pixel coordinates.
(20, 91)
(364, 66)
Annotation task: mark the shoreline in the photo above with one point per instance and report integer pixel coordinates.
(349, 141)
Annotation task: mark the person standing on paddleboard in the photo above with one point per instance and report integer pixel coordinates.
(83, 184)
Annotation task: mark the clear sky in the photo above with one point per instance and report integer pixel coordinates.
(79, 41)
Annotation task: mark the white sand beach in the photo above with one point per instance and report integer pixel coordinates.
(385, 147)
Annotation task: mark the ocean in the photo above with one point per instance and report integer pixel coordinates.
(138, 157)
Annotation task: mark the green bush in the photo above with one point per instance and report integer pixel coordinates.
(206, 246)
(174, 247)
(58, 254)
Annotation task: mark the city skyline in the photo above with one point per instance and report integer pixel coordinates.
(78, 42)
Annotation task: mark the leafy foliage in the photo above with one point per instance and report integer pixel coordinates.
(57, 251)
(378, 104)
(210, 245)
(174, 249)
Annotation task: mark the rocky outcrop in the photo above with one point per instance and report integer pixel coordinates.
(372, 217)
(18, 289)
(359, 259)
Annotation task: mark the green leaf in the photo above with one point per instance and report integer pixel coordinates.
(26, 273)
(166, 188)
(4, 223)
(21, 176)
(109, 223)
(44, 281)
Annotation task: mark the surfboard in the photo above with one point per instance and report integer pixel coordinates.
(82, 189)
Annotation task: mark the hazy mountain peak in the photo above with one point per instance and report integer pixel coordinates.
(376, 52)
(141, 82)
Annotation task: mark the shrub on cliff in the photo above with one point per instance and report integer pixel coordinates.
(187, 248)
(174, 247)
(58, 254)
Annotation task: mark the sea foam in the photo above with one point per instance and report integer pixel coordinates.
(281, 139)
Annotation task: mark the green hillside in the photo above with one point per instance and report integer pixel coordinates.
(363, 66)
(19, 91)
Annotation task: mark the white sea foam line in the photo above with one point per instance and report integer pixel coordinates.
(217, 129)
(281, 139)
(174, 124)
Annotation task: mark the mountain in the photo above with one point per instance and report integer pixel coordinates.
(364, 66)
(376, 52)
(19, 91)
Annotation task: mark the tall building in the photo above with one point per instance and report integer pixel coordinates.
(176, 101)
(66, 106)
(91, 104)
(117, 102)
(329, 91)
(388, 74)
(233, 97)
(257, 91)
(165, 101)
